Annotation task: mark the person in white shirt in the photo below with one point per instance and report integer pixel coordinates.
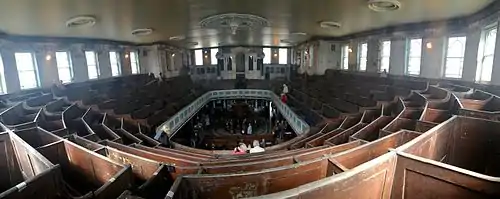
(285, 89)
(256, 148)
(249, 129)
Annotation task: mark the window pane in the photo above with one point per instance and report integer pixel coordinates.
(362, 56)
(487, 69)
(485, 66)
(414, 59)
(455, 57)
(92, 65)
(26, 70)
(24, 61)
(2, 76)
(27, 79)
(385, 56)
(63, 62)
(345, 57)
(115, 67)
(267, 55)
(213, 53)
(134, 63)
(283, 56)
(198, 57)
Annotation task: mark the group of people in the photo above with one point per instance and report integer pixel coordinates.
(244, 149)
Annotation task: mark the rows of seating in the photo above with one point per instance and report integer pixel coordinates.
(370, 137)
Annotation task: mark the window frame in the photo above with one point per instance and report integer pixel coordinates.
(409, 56)
(383, 57)
(96, 64)
(3, 85)
(69, 67)
(345, 57)
(482, 56)
(118, 65)
(198, 61)
(35, 70)
(135, 55)
(280, 59)
(362, 59)
(267, 57)
(446, 57)
(213, 58)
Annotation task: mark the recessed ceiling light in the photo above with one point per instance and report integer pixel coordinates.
(81, 21)
(142, 31)
(329, 24)
(177, 38)
(384, 5)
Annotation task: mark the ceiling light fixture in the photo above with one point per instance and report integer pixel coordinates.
(298, 34)
(234, 22)
(81, 21)
(142, 31)
(384, 5)
(177, 38)
(429, 45)
(329, 24)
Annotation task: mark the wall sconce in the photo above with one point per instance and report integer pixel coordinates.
(206, 56)
(429, 45)
(275, 55)
(126, 56)
(350, 50)
(173, 54)
(48, 57)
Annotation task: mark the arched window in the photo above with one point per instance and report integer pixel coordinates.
(455, 57)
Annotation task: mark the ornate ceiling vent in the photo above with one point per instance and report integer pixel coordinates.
(142, 31)
(234, 22)
(384, 5)
(81, 21)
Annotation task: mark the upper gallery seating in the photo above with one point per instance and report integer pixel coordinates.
(370, 137)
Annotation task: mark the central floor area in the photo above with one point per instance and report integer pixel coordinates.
(225, 124)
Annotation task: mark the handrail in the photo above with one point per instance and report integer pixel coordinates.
(174, 123)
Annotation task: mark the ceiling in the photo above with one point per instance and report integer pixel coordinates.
(117, 18)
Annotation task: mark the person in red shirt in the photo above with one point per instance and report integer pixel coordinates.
(284, 98)
(242, 149)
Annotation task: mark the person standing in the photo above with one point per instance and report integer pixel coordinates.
(249, 129)
(285, 89)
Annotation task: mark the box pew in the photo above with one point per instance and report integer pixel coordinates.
(174, 161)
(417, 177)
(364, 153)
(321, 139)
(16, 117)
(72, 119)
(462, 142)
(25, 172)
(35, 104)
(350, 121)
(93, 121)
(371, 131)
(85, 173)
(198, 155)
(115, 125)
(250, 184)
(476, 100)
(169, 153)
(303, 141)
(343, 137)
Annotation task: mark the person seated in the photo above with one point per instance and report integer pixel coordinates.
(256, 148)
(284, 98)
(241, 149)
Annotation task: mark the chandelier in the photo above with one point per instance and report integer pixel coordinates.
(234, 22)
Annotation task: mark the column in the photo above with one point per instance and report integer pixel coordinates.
(373, 55)
(10, 70)
(104, 64)
(432, 65)
(397, 61)
(470, 57)
(353, 56)
(80, 70)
